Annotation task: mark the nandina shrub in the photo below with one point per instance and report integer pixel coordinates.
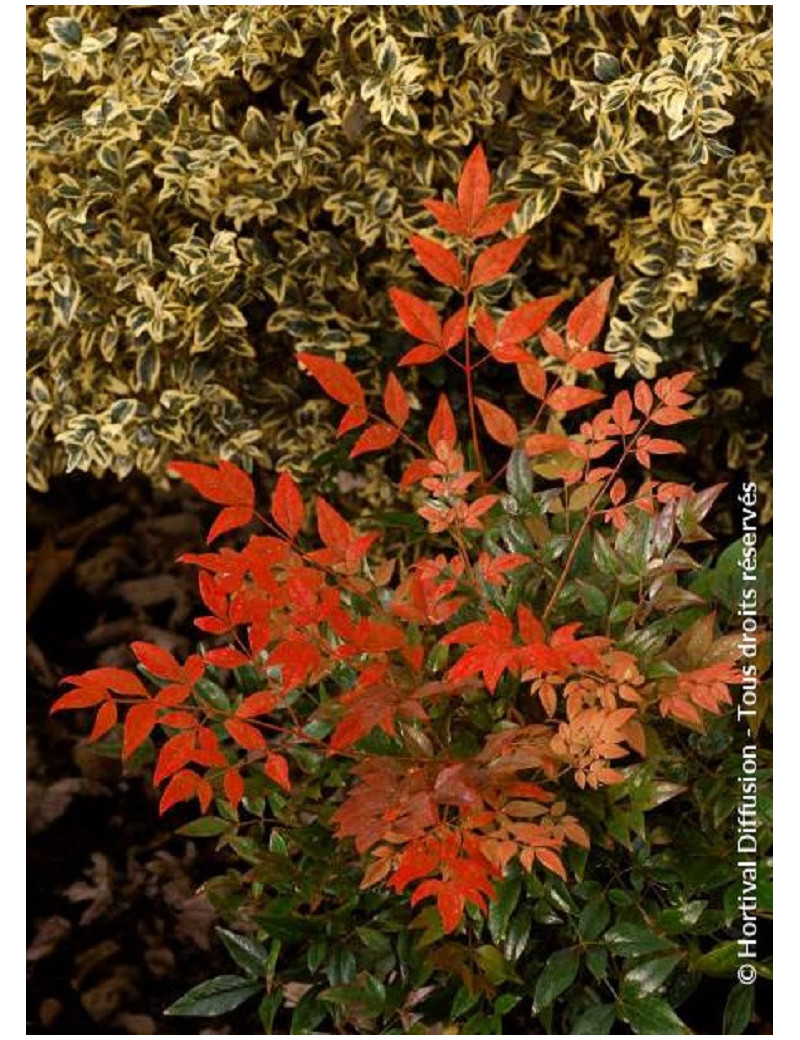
(425, 759)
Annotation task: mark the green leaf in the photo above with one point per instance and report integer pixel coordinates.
(738, 1010)
(720, 961)
(596, 1021)
(215, 996)
(557, 975)
(630, 940)
(597, 961)
(594, 918)
(493, 965)
(205, 827)
(250, 955)
(518, 933)
(502, 908)
(647, 974)
(679, 919)
(651, 1016)
(519, 476)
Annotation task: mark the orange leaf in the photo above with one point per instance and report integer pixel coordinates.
(247, 736)
(447, 217)
(586, 320)
(81, 697)
(659, 446)
(105, 720)
(643, 397)
(566, 398)
(333, 529)
(495, 261)
(183, 786)
(589, 360)
(227, 485)
(417, 316)
(667, 415)
(554, 344)
(533, 378)
(228, 519)
(139, 723)
(421, 355)
(494, 218)
(287, 505)
(233, 786)
(443, 425)
(354, 417)
(525, 321)
(499, 424)
(395, 401)
(375, 438)
(277, 769)
(438, 261)
(157, 661)
(473, 188)
(552, 861)
(544, 443)
(335, 379)
(261, 703)
(454, 328)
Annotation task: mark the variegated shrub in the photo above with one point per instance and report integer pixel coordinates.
(214, 187)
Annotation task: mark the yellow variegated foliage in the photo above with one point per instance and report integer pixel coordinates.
(213, 187)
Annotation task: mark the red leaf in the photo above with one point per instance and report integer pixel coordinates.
(417, 316)
(454, 328)
(525, 321)
(658, 446)
(421, 355)
(495, 261)
(566, 398)
(82, 697)
(375, 438)
(335, 379)
(666, 415)
(533, 378)
(116, 679)
(261, 703)
(589, 360)
(643, 397)
(447, 217)
(183, 786)
(287, 505)
(544, 443)
(499, 424)
(247, 736)
(494, 218)
(227, 485)
(277, 769)
(438, 261)
(554, 344)
(174, 755)
(484, 327)
(228, 519)
(353, 418)
(105, 720)
(158, 661)
(415, 472)
(473, 188)
(333, 529)
(443, 425)
(233, 786)
(395, 401)
(586, 320)
(552, 861)
(139, 723)
(227, 657)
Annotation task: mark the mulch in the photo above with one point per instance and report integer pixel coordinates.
(118, 926)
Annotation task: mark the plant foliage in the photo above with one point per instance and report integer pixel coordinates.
(438, 756)
(214, 187)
